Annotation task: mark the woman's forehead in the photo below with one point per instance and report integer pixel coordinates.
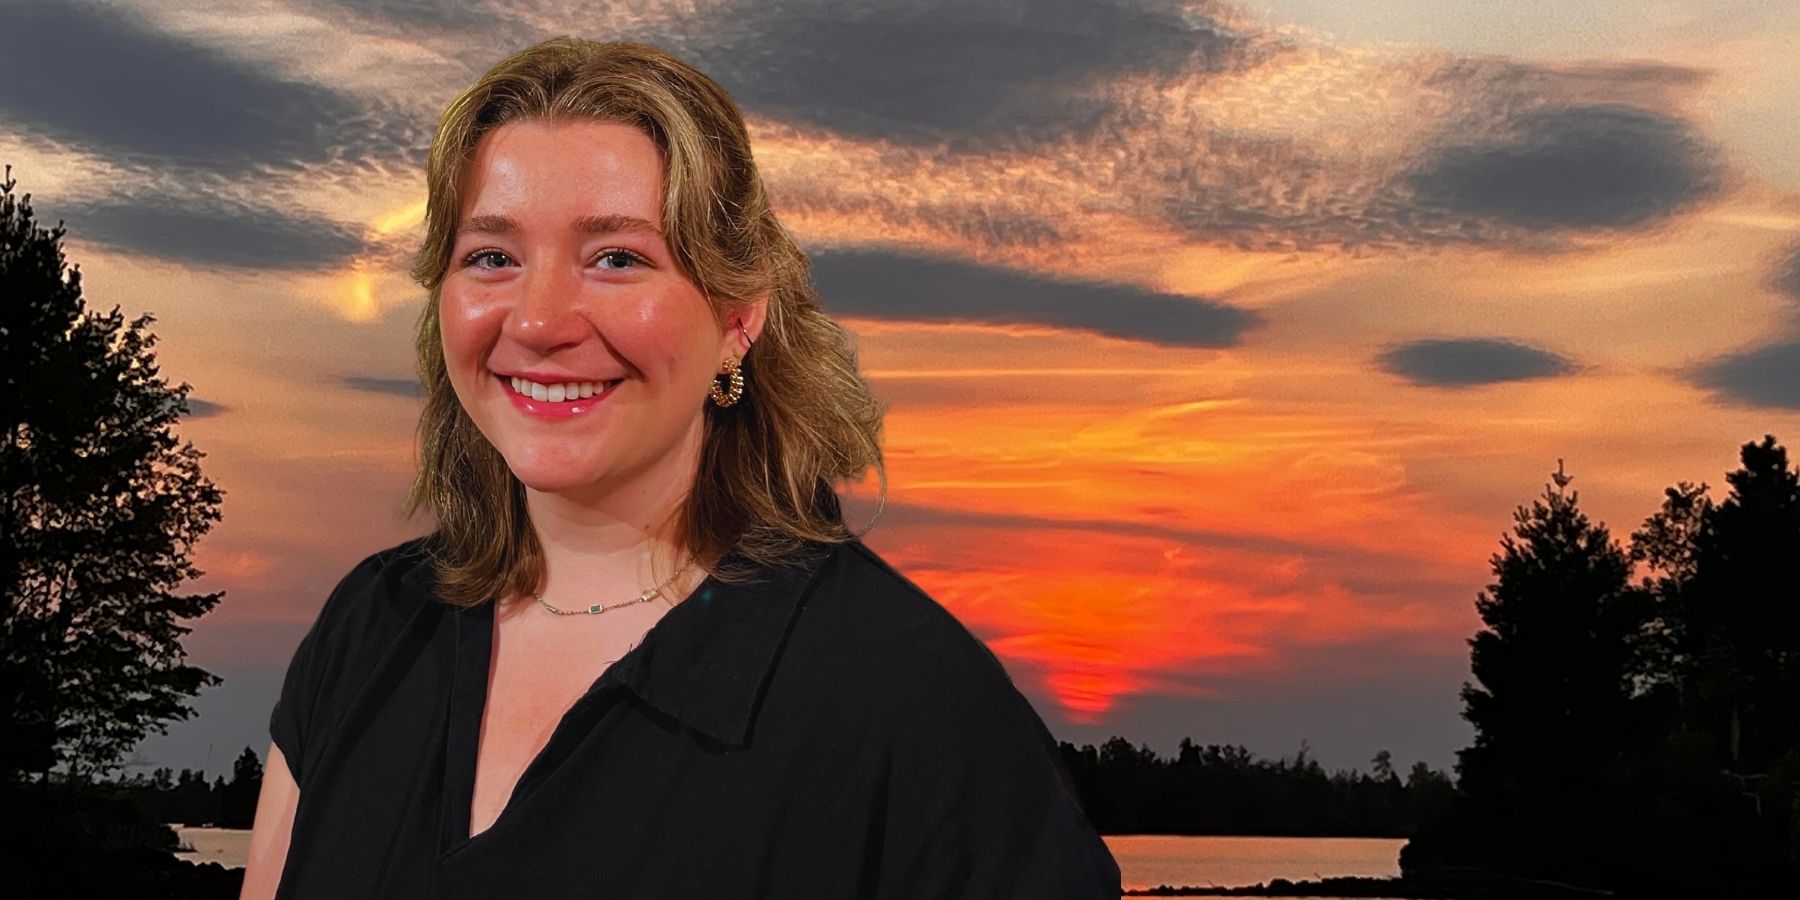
(538, 173)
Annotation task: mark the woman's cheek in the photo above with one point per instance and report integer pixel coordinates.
(651, 330)
(464, 314)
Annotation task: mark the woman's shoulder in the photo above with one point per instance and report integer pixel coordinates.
(367, 614)
(379, 594)
(901, 643)
(866, 597)
(989, 805)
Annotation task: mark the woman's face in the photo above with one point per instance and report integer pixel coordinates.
(560, 275)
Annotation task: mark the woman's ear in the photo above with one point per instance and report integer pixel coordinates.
(752, 317)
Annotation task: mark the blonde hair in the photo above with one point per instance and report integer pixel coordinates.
(764, 489)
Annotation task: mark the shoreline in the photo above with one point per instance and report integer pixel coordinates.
(1447, 884)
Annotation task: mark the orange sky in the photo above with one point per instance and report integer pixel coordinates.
(1235, 491)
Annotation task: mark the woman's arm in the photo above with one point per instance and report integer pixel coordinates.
(271, 829)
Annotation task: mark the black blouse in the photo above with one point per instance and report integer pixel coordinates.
(827, 731)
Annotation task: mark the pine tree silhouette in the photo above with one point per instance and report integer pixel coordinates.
(1556, 671)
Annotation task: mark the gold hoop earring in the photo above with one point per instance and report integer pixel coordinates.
(736, 372)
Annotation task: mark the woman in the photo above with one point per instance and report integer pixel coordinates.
(641, 655)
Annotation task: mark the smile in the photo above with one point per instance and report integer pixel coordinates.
(555, 401)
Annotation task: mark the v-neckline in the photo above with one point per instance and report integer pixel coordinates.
(469, 696)
(470, 677)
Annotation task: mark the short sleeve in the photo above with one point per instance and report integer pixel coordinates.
(291, 722)
(980, 803)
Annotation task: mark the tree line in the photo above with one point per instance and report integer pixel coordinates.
(188, 798)
(1225, 790)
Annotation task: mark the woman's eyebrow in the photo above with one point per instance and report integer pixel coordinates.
(610, 223)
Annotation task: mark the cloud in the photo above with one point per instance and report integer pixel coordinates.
(1462, 362)
(376, 384)
(211, 231)
(891, 284)
(203, 409)
(101, 81)
(1573, 167)
(1765, 377)
(196, 407)
(966, 73)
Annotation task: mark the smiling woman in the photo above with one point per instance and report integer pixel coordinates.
(641, 655)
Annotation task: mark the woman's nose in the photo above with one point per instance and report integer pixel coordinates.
(549, 307)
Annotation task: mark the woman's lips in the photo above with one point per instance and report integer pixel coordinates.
(548, 410)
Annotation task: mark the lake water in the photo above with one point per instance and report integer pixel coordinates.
(1144, 860)
(229, 847)
(1149, 860)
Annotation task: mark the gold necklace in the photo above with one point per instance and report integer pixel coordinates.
(597, 608)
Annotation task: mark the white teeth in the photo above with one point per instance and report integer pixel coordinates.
(557, 393)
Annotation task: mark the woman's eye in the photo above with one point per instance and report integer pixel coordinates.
(473, 257)
(620, 255)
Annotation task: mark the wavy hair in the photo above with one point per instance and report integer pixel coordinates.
(767, 470)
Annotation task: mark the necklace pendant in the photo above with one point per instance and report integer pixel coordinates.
(594, 609)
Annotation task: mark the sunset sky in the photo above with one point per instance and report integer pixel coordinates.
(1221, 339)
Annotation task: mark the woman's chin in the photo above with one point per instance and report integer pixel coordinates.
(553, 479)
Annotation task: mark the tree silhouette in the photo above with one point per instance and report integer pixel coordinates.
(102, 509)
(1668, 545)
(1724, 576)
(1558, 668)
(1383, 766)
(237, 805)
(1740, 632)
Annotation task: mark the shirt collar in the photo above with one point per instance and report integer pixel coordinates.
(706, 662)
(708, 659)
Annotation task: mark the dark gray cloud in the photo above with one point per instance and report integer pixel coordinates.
(891, 284)
(1767, 377)
(101, 81)
(203, 409)
(1602, 165)
(377, 384)
(211, 231)
(946, 70)
(196, 407)
(1463, 362)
